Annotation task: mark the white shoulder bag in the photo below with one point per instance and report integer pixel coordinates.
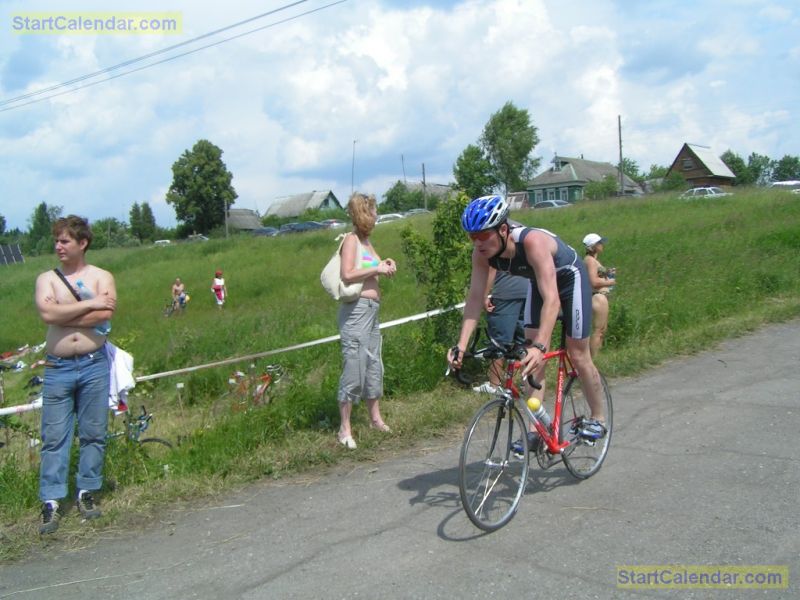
(331, 276)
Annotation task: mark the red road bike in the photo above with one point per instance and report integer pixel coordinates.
(494, 460)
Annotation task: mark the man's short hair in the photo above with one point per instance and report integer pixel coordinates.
(77, 228)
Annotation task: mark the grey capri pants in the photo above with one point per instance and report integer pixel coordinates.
(362, 365)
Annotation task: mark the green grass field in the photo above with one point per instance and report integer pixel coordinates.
(689, 274)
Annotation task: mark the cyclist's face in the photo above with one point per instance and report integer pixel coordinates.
(487, 243)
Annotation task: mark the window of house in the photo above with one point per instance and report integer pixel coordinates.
(688, 164)
(538, 197)
(564, 194)
(551, 194)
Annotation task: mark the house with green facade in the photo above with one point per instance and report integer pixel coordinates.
(567, 178)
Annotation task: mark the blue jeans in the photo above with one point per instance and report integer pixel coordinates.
(73, 387)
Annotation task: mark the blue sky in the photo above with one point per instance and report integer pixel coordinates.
(412, 81)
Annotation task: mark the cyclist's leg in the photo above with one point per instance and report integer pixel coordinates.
(576, 304)
(579, 354)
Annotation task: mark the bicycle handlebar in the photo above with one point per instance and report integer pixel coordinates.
(493, 352)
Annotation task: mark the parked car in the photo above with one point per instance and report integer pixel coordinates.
(300, 227)
(705, 192)
(265, 231)
(388, 217)
(416, 211)
(552, 204)
(162, 243)
(197, 237)
(334, 223)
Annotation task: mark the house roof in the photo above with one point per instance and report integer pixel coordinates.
(243, 218)
(439, 190)
(292, 206)
(710, 159)
(567, 170)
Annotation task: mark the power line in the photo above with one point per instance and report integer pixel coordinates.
(158, 52)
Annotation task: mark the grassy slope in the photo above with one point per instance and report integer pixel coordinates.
(689, 273)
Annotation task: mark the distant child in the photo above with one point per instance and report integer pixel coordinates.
(218, 288)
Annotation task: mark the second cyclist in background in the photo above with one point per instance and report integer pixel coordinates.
(505, 314)
(558, 281)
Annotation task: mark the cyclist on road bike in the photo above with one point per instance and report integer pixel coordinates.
(558, 281)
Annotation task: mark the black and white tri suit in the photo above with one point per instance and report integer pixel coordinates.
(572, 280)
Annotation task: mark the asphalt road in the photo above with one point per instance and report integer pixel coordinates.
(703, 469)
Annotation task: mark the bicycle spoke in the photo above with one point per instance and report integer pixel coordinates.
(584, 456)
(491, 480)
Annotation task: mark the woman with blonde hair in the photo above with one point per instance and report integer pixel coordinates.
(602, 281)
(362, 365)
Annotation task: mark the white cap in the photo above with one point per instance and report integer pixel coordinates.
(592, 239)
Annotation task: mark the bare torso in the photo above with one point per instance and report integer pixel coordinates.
(68, 340)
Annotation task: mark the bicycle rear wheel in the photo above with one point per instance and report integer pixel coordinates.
(155, 449)
(491, 478)
(583, 457)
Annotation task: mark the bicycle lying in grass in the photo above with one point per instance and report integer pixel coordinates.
(254, 387)
(494, 460)
(133, 429)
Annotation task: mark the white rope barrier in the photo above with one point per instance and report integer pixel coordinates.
(37, 404)
(333, 338)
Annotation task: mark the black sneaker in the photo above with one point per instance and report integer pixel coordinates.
(86, 506)
(50, 518)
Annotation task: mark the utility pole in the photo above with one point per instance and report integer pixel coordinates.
(619, 127)
(424, 188)
(353, 170)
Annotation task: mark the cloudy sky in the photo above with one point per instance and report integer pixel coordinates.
(413, 81)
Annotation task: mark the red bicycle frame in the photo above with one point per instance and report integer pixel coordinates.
(555, 444)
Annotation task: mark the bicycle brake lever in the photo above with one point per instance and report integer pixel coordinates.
(532, 382)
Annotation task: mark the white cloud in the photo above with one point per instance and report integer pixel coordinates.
(286, 103)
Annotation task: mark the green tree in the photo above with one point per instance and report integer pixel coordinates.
(441, 265)
(739, 168)
(135, 221)
(473, 172)
(673, 181)
(657, 172)
(787, 169)
(109, 232)
(507, 141)
(760, 167)
(40, 235)
(631, 168)
(597, 190)
(148, 225)
(399, 198)
(201, 189)
(2, 225)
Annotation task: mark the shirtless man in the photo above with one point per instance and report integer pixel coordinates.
(178, 293)
(76, 377)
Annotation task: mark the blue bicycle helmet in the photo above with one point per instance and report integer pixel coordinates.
(484, 213)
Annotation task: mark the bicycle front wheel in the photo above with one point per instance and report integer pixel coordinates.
(155, 449)
(584, 457)
(492, 477)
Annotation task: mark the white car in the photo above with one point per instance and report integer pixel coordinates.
(705, 192)
(552, 204)
(388, 217)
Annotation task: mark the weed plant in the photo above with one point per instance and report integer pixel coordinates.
(690, 272)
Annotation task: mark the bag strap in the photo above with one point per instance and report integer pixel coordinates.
(66, 283)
